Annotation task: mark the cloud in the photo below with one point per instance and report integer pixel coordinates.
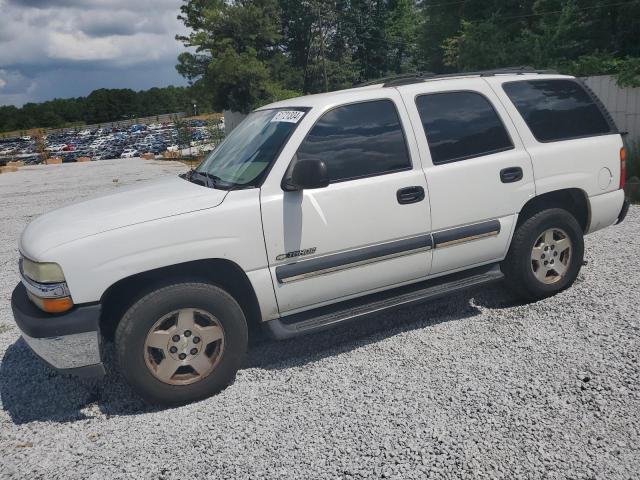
(122, 22)
(139, 5)
(80, 47)
(40, 37)
(13, 82)
(15, 88)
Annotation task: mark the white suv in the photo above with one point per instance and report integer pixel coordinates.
(129, 153)
(318, 210)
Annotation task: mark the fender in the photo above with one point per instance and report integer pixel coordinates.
(231, 231)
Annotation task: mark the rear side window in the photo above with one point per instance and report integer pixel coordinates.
(358, 140)
(557, 110)
(461, 125)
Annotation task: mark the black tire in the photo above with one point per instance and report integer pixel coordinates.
(136, 323)
(517, 266)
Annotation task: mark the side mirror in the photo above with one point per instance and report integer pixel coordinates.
(307, 174)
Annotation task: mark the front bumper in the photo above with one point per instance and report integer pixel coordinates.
(68, 342)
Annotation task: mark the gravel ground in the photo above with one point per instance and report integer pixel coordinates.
(474, 386)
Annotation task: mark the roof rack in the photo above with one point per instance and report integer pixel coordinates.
(415, 76)
(409, 78)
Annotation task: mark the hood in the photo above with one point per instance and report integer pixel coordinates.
(127, 206)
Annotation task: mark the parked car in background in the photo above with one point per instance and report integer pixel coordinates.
(104, 142)
(129, 153)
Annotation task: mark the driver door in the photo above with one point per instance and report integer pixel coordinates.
(369, 229)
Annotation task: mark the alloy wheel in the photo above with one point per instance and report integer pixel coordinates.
(184, 346)
(551, 256)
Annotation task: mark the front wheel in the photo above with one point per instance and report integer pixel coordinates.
(181, 343)
(545, 255)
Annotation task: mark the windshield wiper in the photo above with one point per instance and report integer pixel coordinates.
(216, 181)
(212, 181)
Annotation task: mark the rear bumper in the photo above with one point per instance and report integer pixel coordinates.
(68, 342)
(605, 209)
(623, 211)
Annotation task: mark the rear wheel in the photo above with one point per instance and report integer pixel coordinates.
(181, 343)
(545, 255)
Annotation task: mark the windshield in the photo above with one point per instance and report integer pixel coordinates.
(245, 155)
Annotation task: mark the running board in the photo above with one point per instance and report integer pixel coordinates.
(328, 316)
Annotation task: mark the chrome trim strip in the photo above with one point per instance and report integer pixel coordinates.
(45, 290)
(458, 241)
(466, 233)
(346, 266)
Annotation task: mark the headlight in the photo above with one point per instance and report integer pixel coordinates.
(46, 286)
(42, 272)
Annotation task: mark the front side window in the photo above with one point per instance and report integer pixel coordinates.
(358, 140)
(245, 155)
(461, 125)
(557, 110)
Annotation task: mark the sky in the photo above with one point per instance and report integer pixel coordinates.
(67, 48)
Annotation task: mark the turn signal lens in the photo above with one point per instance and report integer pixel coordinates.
(52, 305)
(623, 166)
(57, 305)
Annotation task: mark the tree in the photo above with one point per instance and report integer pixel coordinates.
(232, 47)
(579, 37)
(100, 106)
(251, 52)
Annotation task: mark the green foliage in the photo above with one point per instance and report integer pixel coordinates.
(253, 52)
(216, 134)
(629, 72)
(184, 133)
(250, 52)
(627, 69)
(477, 46)
(586, 37)
(103, 105)
(235, 49)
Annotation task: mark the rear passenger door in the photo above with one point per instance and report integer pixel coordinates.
(478, 172)
(369, 229)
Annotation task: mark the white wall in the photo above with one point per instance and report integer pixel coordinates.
(622, 103)
(232, 120)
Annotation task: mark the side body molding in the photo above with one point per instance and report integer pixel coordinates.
(340, 261)
(353, 258)
(467, 233)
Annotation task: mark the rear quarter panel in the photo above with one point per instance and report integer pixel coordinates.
(577, 163)
(591, 164)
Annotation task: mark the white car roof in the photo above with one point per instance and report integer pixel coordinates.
(339, 96)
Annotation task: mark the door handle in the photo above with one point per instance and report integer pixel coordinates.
(410, 195)
(511, 174)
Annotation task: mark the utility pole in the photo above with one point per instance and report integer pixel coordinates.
(324, 64)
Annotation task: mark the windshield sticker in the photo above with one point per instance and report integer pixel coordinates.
(290, 116)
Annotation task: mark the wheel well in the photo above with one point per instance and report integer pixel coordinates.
(573, 200)
(223, 273)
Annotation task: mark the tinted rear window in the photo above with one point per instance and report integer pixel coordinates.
(461, 125)
(557, 110)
